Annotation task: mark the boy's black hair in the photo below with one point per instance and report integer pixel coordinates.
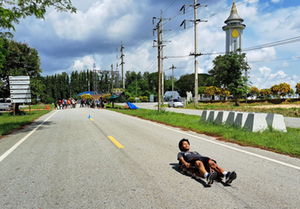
(180, 143)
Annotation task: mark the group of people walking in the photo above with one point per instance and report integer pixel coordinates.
(91, 103)
(65, 103)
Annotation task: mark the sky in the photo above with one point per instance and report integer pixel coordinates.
(68, 42)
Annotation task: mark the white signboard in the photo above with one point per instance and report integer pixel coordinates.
(20, 89)
(19, 82)
(20, 100)
(19, 78)
(20, 96)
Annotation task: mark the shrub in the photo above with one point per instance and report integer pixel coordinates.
(145, 99)
(131, 99)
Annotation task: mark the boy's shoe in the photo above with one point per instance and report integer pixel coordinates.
(211, 177)
(230, 176)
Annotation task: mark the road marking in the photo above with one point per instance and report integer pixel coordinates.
(2, 157)
(92, 119)
(217, 143)
(115, 142)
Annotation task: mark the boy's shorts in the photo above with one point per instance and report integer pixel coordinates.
(204, 160)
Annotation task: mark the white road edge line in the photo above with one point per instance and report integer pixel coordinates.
(223, 145)
(2, 157)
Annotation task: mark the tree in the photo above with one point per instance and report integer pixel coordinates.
(11, 11)
(297, 88)
(211, 91)
(254, 91)
(228, 73)
(284, 89)
(224, 93)
(20, 60)
(187, 83)
(275, 90)
(265, 92)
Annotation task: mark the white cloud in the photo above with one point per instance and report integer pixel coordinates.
(276, 1)
(86, 62)
(265, 54)
(103, 19)
(265, 71)
(279, 74)
(285, 64)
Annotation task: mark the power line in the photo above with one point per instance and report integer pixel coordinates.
(293, 58)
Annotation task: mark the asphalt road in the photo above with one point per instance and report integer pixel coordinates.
(289, 121)
(68, 161)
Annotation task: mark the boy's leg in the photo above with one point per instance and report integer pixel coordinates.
(210, 177)
(199, 165)
(212, 164)
(229, 176)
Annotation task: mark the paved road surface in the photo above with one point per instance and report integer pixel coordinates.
(289, 121)
(68, 161)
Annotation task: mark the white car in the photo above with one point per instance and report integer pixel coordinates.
(5, 104)
(175, 103)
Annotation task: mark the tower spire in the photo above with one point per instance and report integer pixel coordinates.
(234, 16)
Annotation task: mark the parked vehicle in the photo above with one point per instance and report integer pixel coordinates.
(175, 103)
(5, 104)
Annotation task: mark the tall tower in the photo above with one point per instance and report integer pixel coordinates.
(234, 30)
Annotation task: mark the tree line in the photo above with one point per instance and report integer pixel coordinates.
(224, 79)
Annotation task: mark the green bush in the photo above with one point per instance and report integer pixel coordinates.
(145, 99)
(49, 100)
(131, 99)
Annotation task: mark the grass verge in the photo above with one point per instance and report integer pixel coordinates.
(9, 123)
(255, 107)
(276, 141)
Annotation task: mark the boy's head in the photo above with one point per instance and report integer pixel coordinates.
(184, 145)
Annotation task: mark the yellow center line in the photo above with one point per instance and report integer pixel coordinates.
(115, 142)
(92, 119)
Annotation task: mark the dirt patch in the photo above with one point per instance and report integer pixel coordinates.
(279, 106)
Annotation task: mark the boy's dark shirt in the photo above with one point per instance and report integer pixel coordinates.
(188, 156)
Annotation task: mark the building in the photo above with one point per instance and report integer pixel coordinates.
(234, 30)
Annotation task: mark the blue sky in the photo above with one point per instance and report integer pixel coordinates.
(68, 42)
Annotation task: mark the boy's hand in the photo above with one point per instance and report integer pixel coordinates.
(188, 165)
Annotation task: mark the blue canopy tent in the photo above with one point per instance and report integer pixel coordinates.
(132, 106)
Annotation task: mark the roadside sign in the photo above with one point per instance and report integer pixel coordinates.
(20, 96)
(19, 82)
(20, 100)
(19, 87)
(18, 78)
(21, 91)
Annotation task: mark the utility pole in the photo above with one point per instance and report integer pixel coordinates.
(159, 58)
(95, 79)
(159, 75)
(112, 77)
(172, 80)
(122, 63)
(196, 5)
(162, 60)
(159, 28)
(88, 78)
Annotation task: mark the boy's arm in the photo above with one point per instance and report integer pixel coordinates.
(184, 162)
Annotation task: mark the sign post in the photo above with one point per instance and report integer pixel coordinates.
(20, 90)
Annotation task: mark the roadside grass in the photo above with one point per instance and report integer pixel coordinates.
(276, 141)
(244, 107)
(38, 106)
(8, 122)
